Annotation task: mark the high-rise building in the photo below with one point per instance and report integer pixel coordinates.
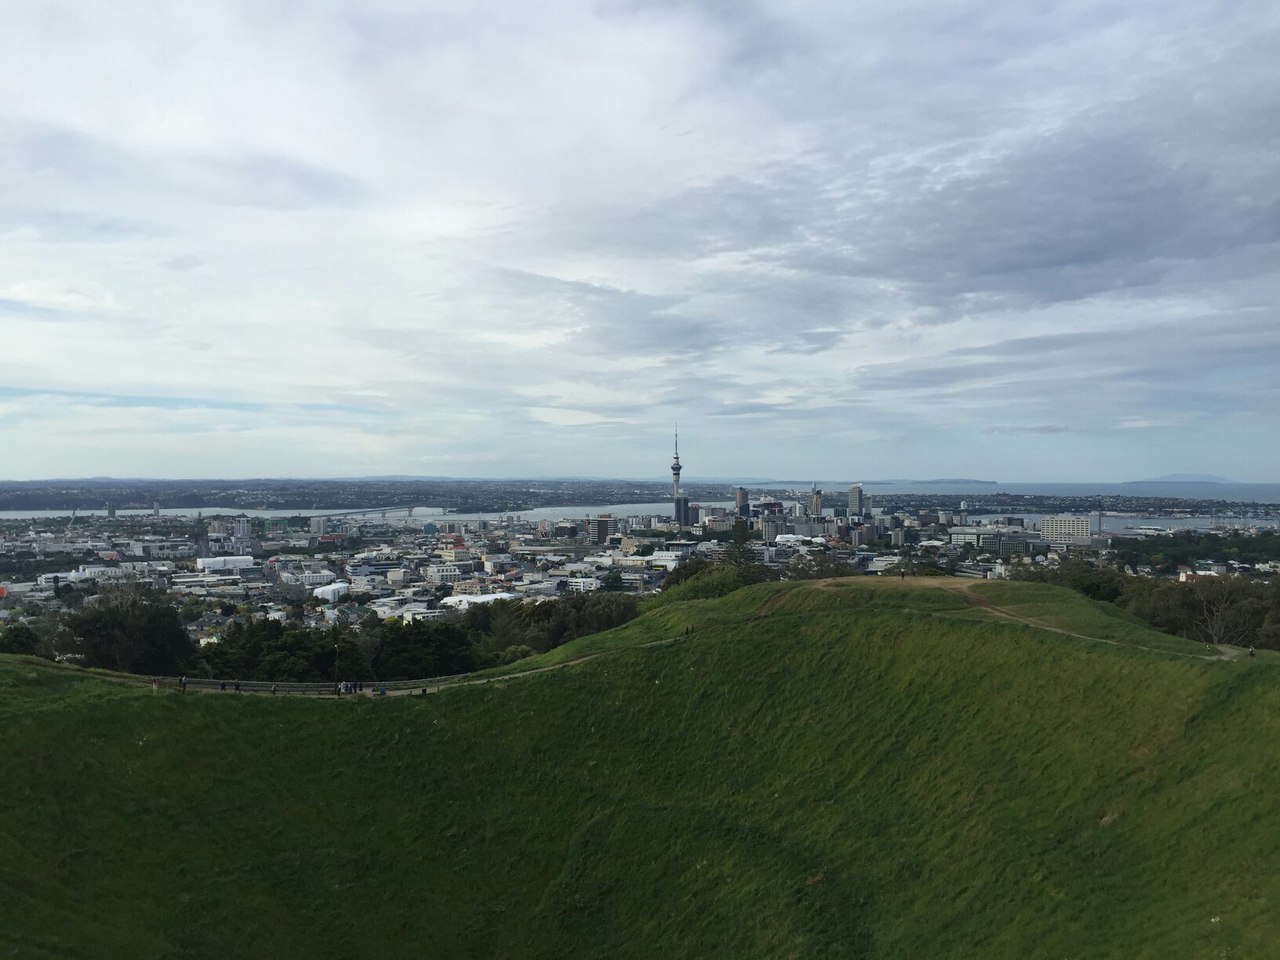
(601, 528)
(680, 502)
(682, 511)
(772, 527)
(815, 501)
(319, 526)
(855, 500)
(741, 502)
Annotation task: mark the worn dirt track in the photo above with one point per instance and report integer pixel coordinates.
(964, 586)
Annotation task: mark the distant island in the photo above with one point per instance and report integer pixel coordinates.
(1185, 478)
(919, 483)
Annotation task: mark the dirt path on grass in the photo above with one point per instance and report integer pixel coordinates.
(966, 586)
(426, 687)
(525, 673)
(1220, 652)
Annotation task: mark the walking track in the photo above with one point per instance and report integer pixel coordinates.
(1221, 652)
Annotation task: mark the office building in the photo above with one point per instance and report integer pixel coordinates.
(1065, 527)
(601, 528)
(815, 501)
(855, 500)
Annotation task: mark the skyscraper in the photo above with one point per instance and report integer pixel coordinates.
(855, 500)
(601, 528)
(741, 502)
(815, 501)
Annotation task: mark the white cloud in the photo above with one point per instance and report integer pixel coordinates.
(422, 236)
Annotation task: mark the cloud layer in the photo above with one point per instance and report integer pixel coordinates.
(834, 240)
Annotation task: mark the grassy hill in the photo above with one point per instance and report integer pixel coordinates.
(865, 769)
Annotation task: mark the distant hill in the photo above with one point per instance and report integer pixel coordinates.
(946, 480)
(864, 769)
(1186, 478)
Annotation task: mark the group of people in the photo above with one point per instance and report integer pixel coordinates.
(222, 685)
(340, 688)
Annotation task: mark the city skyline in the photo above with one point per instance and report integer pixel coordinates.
(420, 239)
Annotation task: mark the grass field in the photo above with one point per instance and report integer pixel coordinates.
(864, 768)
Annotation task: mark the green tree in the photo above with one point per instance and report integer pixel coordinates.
(741, 555)
(130, 631)
(19, 638)
(686, 569)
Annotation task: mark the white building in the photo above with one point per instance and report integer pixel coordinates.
(332, 591)
(1065, 527)
(223, 563)
(461, 604)
(443, 573)
(308, 578)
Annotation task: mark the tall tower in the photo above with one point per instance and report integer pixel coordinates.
(675, 470)
(679, 501)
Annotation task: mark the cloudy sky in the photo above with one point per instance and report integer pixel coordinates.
(1017, 241)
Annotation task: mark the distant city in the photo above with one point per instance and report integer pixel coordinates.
(427, 548)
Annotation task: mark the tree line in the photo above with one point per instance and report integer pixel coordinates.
(133, 630)
(1212, 609)
(1164, 554)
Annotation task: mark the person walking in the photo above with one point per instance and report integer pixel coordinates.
(273, 689)
(237, 686)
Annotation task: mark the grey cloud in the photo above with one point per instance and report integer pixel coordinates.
(931, 377)
(55, 225)
(46, 148)
(28, 309)
(745, 409)
(275, 183)
(1038, 429)
(620, 323)
(858, 176)
(32, 150)
(732, 214)
(1121, 197)
(1031, 346)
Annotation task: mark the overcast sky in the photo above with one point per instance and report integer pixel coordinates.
(1017, 241)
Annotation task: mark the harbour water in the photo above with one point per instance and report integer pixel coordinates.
(1225, 493)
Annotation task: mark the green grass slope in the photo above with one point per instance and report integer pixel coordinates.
(857, 769)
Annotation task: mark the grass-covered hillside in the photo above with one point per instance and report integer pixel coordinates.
(861, 768)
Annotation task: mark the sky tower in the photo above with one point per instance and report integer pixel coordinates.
(675, 469)
(679, 500)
